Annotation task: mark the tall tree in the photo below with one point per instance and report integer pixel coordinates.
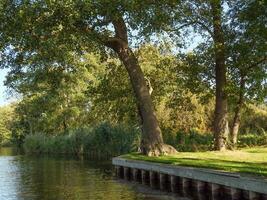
(236, 29)
(221, 129)
(152, 138)
(43, 31)
(206, 18)
(247, 56)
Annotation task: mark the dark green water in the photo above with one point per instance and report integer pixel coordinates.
(45, 177)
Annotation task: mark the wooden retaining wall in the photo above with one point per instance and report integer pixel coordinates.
(195, 183)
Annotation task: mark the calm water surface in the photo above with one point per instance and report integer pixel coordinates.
(46, 177)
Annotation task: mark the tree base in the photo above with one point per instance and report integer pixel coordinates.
(159, 150)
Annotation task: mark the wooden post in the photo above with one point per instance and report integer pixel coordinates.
(120, 172)
(154, 180)
(215, 191)
(235, 194)
(174, 184)
(199, 190)
(136, 175)
(145, 177)
(254, 195)
(163, 181)
(117, 171)
(126, 173)
(249, 195)
(185, 184)
(200, 186)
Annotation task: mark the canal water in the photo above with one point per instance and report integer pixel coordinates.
(24, 177)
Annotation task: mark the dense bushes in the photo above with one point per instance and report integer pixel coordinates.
(104, 139)
(252, 140)
(254, 119)
(192, 141)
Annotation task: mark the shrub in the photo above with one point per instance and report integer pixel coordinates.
(192, 141)
(252, 140)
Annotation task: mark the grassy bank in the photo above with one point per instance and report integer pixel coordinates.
(247, 160)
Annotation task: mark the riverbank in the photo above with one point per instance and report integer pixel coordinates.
(196, 183)
(240, 174)
(250, 161)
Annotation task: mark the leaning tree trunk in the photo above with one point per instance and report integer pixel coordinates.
(152, 142)
(237, 117)
(221, 129)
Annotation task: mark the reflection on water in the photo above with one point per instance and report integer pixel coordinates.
(45, 177)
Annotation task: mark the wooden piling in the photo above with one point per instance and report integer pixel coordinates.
(199, 190)
(214, 191)
(174, 184)
(126, 173)
(117, 171)
(120, 172)
(200, 186)
(136, 173)
(249, 195)
(163, 181)
(231, 193)
(185, 187)
(254, 195)
(154, 180)
(145, 177)
(212, 184)
(235, 194)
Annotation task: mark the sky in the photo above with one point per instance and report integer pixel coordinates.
(3, 95)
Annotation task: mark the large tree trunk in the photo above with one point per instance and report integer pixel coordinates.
(221, 129)
(152, 142)
(237, 117)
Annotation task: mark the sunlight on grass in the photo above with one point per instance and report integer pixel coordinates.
(250, 161)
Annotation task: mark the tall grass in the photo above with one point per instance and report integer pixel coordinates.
(104, 139)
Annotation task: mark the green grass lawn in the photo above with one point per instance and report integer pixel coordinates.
(251, 161)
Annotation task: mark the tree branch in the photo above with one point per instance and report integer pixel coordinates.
(115, 43)
(112, 42)
(120, 29)
(262, 60)
(204, 26)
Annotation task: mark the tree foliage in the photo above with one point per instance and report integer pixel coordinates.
(79, 63)
(6, 118)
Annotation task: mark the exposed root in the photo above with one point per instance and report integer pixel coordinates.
(168, 149)
(163, 149)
